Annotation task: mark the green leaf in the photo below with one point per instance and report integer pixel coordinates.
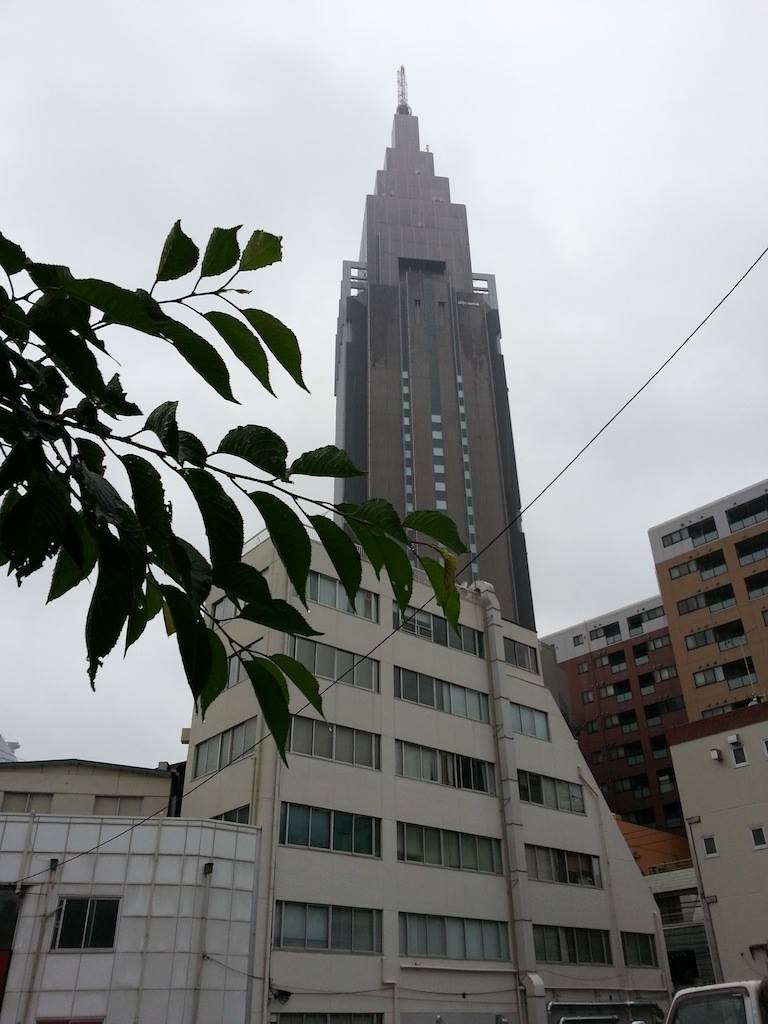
(66, 572)
(99, 495)
(119, 305)
(280, 340)
(12, 256)
(33, 528)
(244, 343)
(216, 682)
(302, 679)
(243, 582)
(179, 255)
(221, 518)
(191, 449)
(272, 694)
(149, 503)
(260, 446)
(279, 615)
(261, 250)
(200, 354)
(91, 454)
(443, 580)
(162, 421)
(116, 401)
(72, 355)
(342, 552)
(436, 525)
(399, 570)
(191, 636)
(49, 275)
(111, 601)
(145, 606)
(190, 569)
(377, 513)
(370, 542)
(221, 253)
(289, 536)
(326, 461)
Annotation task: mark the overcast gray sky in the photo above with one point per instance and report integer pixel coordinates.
(612, 158)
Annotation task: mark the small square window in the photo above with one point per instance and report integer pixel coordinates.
(739, 755)
(441, 505)
(710, 846)
(437, 418)
(439, 485)
(759, 841)
(437, 452)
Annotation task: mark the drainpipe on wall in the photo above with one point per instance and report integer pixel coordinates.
(530, 987)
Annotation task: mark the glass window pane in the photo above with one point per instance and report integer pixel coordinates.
(73, 914)
(542, 728)
(491, 942)
(429, 764)
(249, 731)
(484, 716)
(364, 748)
(451, 857)
(484, 854)
(439, 630)
(458, 701)
(302, 735)
(305, 652)
(527, 721)
(436, 936)
(365, 674)
(410, 684)
(294, 924)
(298, 825)
(469, 852)
(560, 866)
(441, 691)
(414, 843)
(468, 639)
(322, 741)
(563, 796)
(313, 586)
(344, 670)
(317, 927)
(363, 834)
(454, 937)
(544, 864)
(325, 665)
(426, 690)
(341, 928)
(417, 935)
(473, 933)
(345, 744)
(411, 761)
(403, 928)
(320, 829)
(327, 591)
(514, 711)
(432, 854)
(362, 931)
(473, 705)
(342, 831)
(577, 798)
(583, 952)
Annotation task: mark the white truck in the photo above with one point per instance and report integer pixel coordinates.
(739, 1002)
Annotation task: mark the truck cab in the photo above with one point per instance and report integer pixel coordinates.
(740, 1002)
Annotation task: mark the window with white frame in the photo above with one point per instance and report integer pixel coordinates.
(238, 815)
(557, 794)
(335, 742)
(564, 945)
(444, 767)
(328, 662)
(549, 864)
(639, 949)
(710, 846)
(26, 803)
(328, 591)
(225, 747)
(441, 847)
(118, 805)
(338, 929)
(420, 688)
(739, 755)
(529, 721)
(456, 938)
(85, 923)
(320, 828)
(759, 837)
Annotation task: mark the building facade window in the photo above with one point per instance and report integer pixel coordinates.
(578, 639)
(328, 591)
(549, 864)
(225, 608)
(335, 929)
(714, 600)
(557, 794)
(457, 938)
(440, 847)
(699, 533)
(435, 628)
(582, 667)
(118, 805)
(225, 747)
(238, 815)
(319, 828)
(522, 655)
(748, 514)
(529, 721)
(639, 949)
(330, 1018)
(587, 697)
(757, 585)
(335, 742)
(635, 623)
(85, 923)
(334, 663)
(610, 633)
(759, 839)
(559, 945)
(755, 549)
(457, 770)
(710, 846)
(419, 688)
(739, 755)
(26, 803)
(735, 673)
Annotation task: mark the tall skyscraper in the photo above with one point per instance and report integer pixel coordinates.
(420, 383)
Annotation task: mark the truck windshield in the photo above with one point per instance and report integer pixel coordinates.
(712, 1008)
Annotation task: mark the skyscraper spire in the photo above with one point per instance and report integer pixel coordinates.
(402, 92)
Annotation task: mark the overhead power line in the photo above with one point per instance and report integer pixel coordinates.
(508, 526)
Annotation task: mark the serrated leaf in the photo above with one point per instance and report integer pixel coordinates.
(102, 497)
(342, 552)
(217, 673)
(261, 250)
(326, 461)
(243, 582)
(145, 607)
(221, 517)
(302, 678)
(221, 253)
(66, 572)
(191, 636)
(111, 601)
(443, 581)
(72, 356)
(399, 570)
(278, 614)
(272, 694)
(162, 421)
(12, 256)
(438, 526)
(91, 454)
(179, 255)
(377, 513)
(260, 446)
(189, 568)
(149, 503)
(119, 305)
(33, 528)
(116, 401)
(200, 354)
(191, 449)
(289, 536)
(370, 542)
(280, 340)
(244, 343)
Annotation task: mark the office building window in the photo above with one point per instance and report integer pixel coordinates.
(581, 668)
(654, 713)
(755, 549)
(639, 949)
(457, 770)
(610, 632)
(602, 662)
(659, 748)
(736, 674)
(557, 794)
(225, 747)
(587, 697)
(328, 591)
(440, 847)
(330, 1018)
(739, 755)
(622, 691)
(15, 802)
(557, 945)
(522, 655)
(635, 623)
(748, 514)
(334, 742)
(549, 864)
(338, 929)
(708, 566)
(238, 815)
(529, 721)
(225, 608)
(666, 780)
(578, 639)
(435, 628)
(419, 688)
(321, 829)
(592, 725)
(85, 923)
(457, 938)
(118, 805)
(759, 840)
(710, 846)
(699, 533)
(328, 662)
(714, 600)
(757, 585)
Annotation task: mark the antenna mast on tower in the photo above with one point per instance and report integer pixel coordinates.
(402, 92)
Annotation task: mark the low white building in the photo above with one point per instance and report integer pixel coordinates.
(437, 848)
(110, 920)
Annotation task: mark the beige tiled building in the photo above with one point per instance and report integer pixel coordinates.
(437, 847)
